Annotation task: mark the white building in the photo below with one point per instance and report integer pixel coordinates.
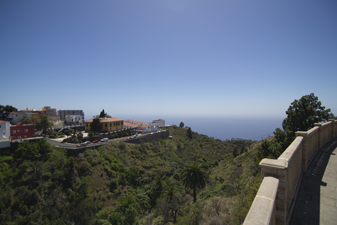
(5, 133)
(64, 113)
(77, 119)
(150, 128)
(17, 116)
(4, 130)
(159, 123)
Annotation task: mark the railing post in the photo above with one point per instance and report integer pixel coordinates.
(333, 128)
(304, 149)
(278, 169)
(319, 125)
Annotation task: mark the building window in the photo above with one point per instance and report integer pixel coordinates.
(26, 130)
(19, 137)
(14, 131)
(18, 131)
(106, 124)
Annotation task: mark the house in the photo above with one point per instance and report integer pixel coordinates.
(64, 113)
(76, 119)
(21, 131)
(5, 141)
(141, 127)
(49, 111)
(108, 124)
(54, 119)
(15, 117)
(4, 130)
(36, 115)
(159, 123)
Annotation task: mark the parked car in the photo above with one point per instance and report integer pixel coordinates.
(95, 141)
(87, 142)
(80, 145)
(104, 139)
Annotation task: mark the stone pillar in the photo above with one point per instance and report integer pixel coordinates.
(304, 149)
(319, 125)
(278, 169)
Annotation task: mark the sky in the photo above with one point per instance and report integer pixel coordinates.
(164, 58)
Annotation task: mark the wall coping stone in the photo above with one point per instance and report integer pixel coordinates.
(274, 163)
(262, 208)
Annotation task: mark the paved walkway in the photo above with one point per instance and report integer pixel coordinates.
(317, 199)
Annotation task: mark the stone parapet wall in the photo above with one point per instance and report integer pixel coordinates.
(260, 212)
(283, 176)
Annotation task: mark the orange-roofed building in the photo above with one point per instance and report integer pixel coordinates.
(140, 126)
(108, 124)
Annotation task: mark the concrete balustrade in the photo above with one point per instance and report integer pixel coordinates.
(260, 212)
(283, 176)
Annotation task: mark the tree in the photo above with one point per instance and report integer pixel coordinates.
(8, 108)
(79, 136)
(67, 132)
(102, 114)
(96, 125)
(243, 149)
(235, 152)
(172, 203)
(27, 120)
(158, 186)
(189, 133)
(194, 176)
(303, 114)
(91, 134)
(181, 124)
(44, 124)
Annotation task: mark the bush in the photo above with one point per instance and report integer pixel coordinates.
(121, 145)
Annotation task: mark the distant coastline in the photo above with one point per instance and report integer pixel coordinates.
(220, 128)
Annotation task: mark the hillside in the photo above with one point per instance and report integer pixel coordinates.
(125, 183)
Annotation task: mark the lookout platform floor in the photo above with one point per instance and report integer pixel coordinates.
(317, 198)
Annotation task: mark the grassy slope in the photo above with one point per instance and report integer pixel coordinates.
(228, 176)
(123, 183)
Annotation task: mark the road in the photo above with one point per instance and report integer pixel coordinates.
(73, 146)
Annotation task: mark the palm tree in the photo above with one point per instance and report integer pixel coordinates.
(194, 176)
(44, 124)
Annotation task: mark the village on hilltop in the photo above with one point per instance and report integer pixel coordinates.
(17, 125)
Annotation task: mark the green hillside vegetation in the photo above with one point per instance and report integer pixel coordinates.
(125, 183)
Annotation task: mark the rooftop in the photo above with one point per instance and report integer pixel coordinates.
(106, 120)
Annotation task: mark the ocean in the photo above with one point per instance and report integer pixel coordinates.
(227, 128)
(223, 128)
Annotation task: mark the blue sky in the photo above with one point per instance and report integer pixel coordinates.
(161, 58)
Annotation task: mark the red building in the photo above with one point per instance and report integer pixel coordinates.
(22, 131)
